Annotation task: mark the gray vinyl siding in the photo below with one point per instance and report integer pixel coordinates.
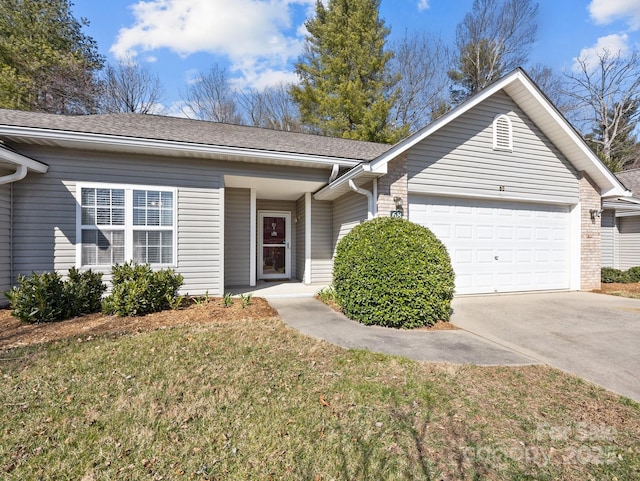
(237, 234)
(348, 211)
(5, 240)
(300, 238)
(629, 252)
(609, 239)
(282, 206)
(321, 242)
(45, 210)
(459, 159)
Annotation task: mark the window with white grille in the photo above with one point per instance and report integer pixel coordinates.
(121, 223)
(502, 133)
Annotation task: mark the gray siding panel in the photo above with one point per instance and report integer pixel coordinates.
(629, 242)
(348, 211)
(321, 242)
(300, 223)
(459, 159)
(45, 210)
(5, 241)
(237, 233)
(608, 237)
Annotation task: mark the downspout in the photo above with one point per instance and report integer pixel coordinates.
(366, 193)
(334, 173)
(11, 270)
(19, 174)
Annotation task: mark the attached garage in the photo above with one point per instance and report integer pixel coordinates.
(500, 246)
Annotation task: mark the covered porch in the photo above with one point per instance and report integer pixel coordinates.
(277, 238)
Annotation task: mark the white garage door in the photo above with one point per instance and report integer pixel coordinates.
(500, 246)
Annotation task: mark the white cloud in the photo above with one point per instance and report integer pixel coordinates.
(606, 11)
(252, 34)
(613, 44)
(423, 5)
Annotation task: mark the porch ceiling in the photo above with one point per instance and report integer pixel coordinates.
(273, 189)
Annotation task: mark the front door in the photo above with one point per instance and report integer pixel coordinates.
(274, 249)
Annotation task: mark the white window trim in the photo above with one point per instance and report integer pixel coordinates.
(128, 221)
(496, 119)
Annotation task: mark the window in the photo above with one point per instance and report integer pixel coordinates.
(122, 223)
(502, 133)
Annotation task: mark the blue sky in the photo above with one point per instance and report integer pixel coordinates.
(257, 41)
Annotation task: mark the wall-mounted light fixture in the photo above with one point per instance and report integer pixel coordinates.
(595, 213)
(398, 202)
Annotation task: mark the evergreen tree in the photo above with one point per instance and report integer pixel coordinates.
(345, 87)
(46, 62)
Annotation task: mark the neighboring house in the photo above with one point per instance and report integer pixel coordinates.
(621, 225)
(503, 180)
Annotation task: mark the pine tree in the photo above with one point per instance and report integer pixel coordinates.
(345, 87)
(46, 62)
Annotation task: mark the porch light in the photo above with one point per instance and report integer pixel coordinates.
(398, 202)
(595, 213)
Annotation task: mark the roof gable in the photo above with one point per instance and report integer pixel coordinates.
(523, 91)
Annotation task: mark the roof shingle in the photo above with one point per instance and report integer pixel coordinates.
(174, 129)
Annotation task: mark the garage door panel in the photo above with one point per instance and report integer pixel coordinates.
(500, 246)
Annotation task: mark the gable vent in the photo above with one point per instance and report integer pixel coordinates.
(502, 133)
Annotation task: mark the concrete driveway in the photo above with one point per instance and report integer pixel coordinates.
(594, 336)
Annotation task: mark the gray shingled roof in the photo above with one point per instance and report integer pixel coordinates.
(631, 180)
(155, 127)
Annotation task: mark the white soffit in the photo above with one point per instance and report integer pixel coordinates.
(273, 188)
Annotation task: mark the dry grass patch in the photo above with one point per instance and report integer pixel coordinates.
(245, 398)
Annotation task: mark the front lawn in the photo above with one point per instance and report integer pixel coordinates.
(246, 398)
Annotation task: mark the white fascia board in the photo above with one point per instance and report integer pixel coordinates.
(91, 141)
(18, 159)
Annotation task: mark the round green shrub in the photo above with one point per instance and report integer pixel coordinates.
(610, 275)
(392, 272)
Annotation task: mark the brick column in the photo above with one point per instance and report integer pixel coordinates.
(590, 234)
(392, 185)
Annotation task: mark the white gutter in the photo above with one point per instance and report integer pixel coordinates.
(366, 193)
(19, 174)
(334, 172)
(91, 141)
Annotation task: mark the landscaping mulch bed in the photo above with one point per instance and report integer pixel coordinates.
(14, 333)
(616, 289)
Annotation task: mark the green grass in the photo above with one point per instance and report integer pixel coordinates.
(256, 400)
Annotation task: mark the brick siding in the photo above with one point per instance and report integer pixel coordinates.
(393, 184)
(590, 234)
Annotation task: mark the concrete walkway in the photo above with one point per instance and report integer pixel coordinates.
(313, 318)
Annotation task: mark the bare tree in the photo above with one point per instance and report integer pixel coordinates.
(420, 61)
(272, 108)
(130, 87)
(606, 90)
(210, 97)
(553, 86)
(493, 39)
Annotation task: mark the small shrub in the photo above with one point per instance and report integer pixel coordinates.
(392, 272)
(39, 298)
(47, 298)
(327, 295)
(609, 275)
(228, 300)
(245, 299)
(138, 290)
(84, 291)
(634, 274)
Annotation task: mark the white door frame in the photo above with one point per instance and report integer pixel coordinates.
(287, 246)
